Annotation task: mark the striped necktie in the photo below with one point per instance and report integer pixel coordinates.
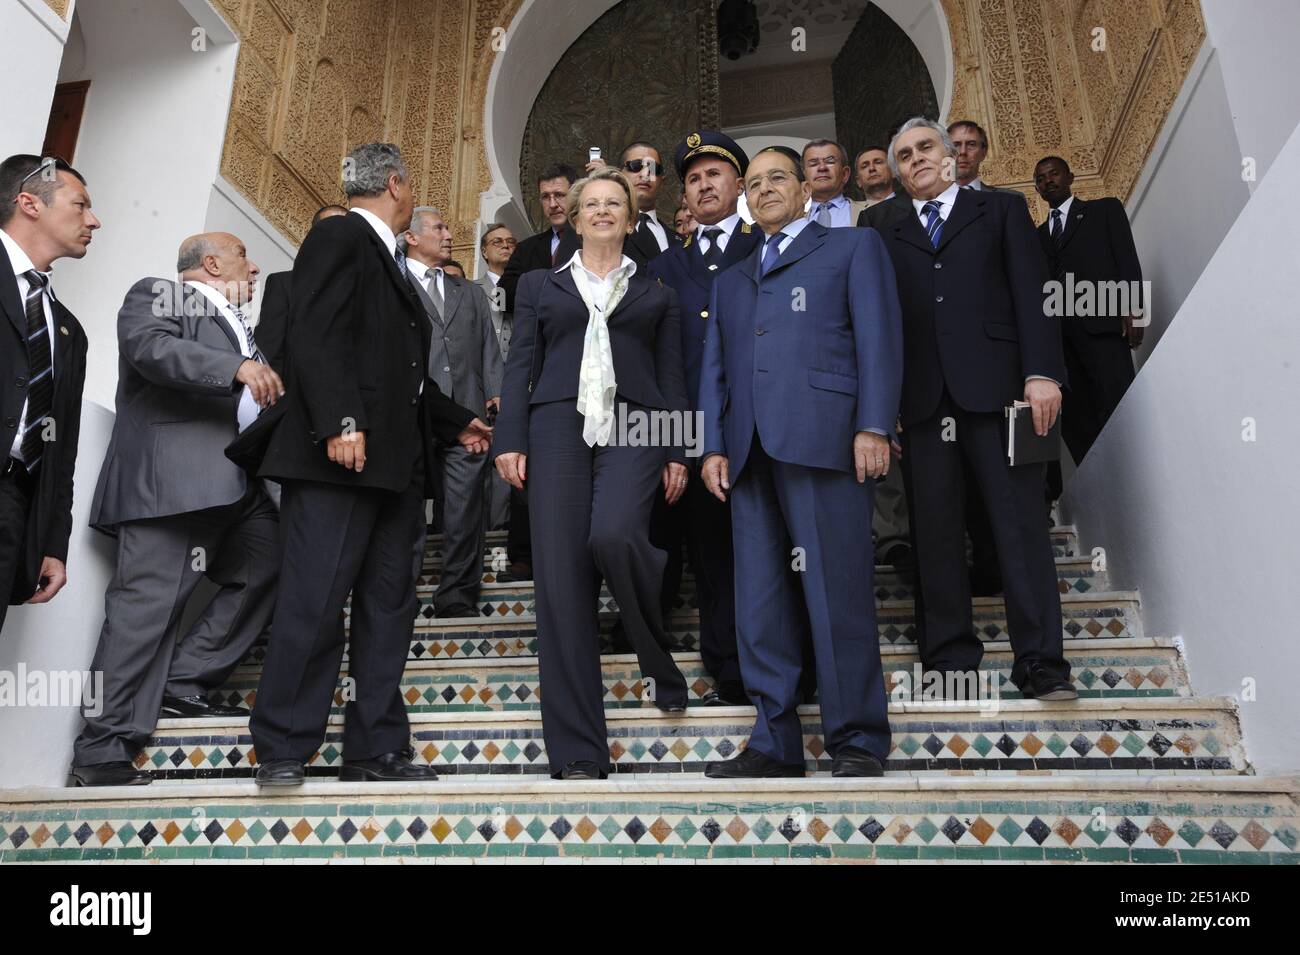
(934, 224)
(1057, 228)
(254, 351)
(40, 371)
(400, 258)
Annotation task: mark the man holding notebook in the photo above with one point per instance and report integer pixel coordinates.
(975, 340)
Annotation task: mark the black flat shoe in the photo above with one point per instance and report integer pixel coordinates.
(581, 769)
(118, 773)
(390, 767)
(280, 772)
(751, 764)
(1041, 685)
(855, 761)
(199, 706)
(457, 610)
(725, 694)
(516, 573)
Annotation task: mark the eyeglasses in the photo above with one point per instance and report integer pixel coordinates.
(45, 163)
(827, 161)
(777, 177)
(595, 205)
(636, 165)
(501, 243)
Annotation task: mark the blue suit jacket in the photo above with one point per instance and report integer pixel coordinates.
(808, 355)
(682, 269)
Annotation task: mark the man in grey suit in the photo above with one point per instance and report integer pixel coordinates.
(465, 361)
(190, 377)
(497, 246)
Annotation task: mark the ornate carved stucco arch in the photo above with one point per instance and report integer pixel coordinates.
(1030, 71)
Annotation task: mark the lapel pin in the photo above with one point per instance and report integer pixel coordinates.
(745, 228)
(64, 329)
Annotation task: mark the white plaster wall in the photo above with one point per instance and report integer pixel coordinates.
(36, 742)
(1204, 522)
(33, 47)
(150, 148)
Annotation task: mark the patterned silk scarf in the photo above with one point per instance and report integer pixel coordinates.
(596, 382)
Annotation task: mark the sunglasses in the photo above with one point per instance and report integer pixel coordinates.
(44, 164)
(636, 165)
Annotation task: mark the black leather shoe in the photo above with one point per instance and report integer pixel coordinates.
(751, 764)
(117, 773)
(280, 772)
(199, 706)
(581, 769)
(391, 767)
(855, 761)
(725, 694)
(676, 708)
(458, 610)
(516, 573)
(1041, 685)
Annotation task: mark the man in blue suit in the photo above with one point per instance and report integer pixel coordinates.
(799, 393)
(709, 165)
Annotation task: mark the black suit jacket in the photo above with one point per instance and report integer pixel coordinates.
(546, 350)
(273, 319)
(534, 253)
(642, 248)
(1096, 246)
(973, 307)
(357, 343)
(49, 522)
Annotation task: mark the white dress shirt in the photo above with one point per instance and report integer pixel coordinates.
(496, 279)
(840, 207)
(248, 410)
(791, 230)
(655, 226)
(381, 228)
(1064, 208)
(22, 263)
(727, 225)
(423, 273)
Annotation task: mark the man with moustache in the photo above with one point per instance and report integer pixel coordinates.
(799, 393)
(709, 165)
(44, 216)
(970, 277)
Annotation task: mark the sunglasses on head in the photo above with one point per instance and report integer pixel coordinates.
(636, 165)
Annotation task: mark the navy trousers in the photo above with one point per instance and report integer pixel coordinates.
(589, 510)
(775, 508)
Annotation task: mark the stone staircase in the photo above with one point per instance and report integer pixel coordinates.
(1140, 769)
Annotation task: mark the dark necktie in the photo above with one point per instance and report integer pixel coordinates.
(934, 224)
(40, 371)
(555, 252)
(400, 258)
(714, 253)
(772, 252)
(1057, 228)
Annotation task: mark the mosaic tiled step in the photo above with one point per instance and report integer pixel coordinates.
(1101, 668)
(1104, 615)
(1009, 736)
(1075, 575)
(1115, 818)
(1065, 542)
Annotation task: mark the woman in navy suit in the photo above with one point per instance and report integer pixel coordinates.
(594, 341)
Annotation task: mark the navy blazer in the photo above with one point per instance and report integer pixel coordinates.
(808, 355)
(973, 319)
(682, 268)
(546, 350)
